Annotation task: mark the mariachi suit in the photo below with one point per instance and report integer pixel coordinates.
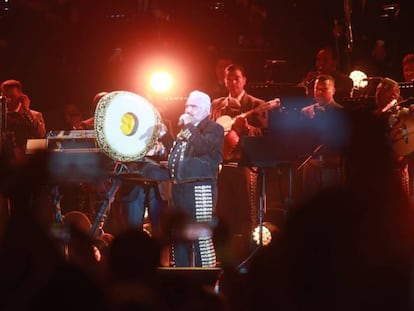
(237, 203)
(193, 165)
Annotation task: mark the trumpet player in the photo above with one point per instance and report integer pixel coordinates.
(327, 63)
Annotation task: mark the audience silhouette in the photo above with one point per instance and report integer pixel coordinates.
(348, 247)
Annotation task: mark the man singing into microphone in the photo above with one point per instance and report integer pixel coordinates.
(193, 165)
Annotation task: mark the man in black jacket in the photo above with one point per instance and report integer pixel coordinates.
(22, 121)
(193, 165)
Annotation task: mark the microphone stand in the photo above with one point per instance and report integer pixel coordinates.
(314, 152)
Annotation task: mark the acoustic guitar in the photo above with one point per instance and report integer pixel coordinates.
(402, 135)
(226, 121)
(402, 127)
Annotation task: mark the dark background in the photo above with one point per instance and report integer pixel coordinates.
(66, 51)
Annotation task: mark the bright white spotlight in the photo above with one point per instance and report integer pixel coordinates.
(161, 81)
(268, 230)
(359, 78)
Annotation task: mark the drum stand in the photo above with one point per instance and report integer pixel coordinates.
(56, 198)
(116, 181)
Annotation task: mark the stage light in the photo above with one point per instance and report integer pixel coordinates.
(359, 78)
(390, 10)
(160, 75)
(268, 232)
(161, 81)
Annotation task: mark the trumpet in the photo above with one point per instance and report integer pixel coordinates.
(394, 104)
(310, 79)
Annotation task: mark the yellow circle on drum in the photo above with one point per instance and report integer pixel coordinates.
(129, 124)
(126, 126)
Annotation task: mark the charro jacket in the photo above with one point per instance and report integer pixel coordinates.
(196, 153)
(221, 107)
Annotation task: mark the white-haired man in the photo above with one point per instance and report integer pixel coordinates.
(193, 165)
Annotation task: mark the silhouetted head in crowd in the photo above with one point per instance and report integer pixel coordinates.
(133, 256)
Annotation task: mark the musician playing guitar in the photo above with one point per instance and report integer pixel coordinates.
(240, 114)
(395, 121)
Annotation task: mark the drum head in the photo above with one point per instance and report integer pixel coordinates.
(126, 125)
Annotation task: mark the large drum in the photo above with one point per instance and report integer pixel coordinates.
(127, 126)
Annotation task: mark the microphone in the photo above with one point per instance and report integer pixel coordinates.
(390, 105)
(275, 61)
(182, 118)
(372, 78)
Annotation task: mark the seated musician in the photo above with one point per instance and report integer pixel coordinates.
(326, 64)
(72, 117)
(88, 124)
(136, 196)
